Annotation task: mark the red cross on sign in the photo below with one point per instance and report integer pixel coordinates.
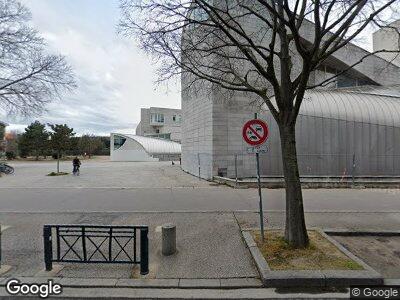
(255, 132)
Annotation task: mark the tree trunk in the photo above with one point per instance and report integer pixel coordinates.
(58, 162)
(295, 228)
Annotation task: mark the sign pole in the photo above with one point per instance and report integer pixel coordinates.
(259, 192)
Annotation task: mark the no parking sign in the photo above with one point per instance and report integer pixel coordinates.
(255, 133)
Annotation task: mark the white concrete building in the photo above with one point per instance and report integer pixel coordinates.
(343, 121)
(127, 147)
(160, 122)
(388, 38)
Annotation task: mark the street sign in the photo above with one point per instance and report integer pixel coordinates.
(257, 149)
(255, 132)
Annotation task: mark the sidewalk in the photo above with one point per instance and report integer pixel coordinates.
(210, 245)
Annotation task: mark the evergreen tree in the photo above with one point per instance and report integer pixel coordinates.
(34, 141)
(60, 139)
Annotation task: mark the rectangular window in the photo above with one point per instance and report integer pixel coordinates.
(157, 118)
(174, 118)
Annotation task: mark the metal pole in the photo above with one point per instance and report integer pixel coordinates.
(198, 162)
(0, 246)
(260, 196)
(353, 168)
(144, 251)
(236, 172)
(48, 248)
(259, 193)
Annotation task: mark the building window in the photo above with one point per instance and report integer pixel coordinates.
(179, 119)
(157, 118)
(174, 118)
(118, 141)
(157, 130)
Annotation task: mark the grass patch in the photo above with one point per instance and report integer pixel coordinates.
(321, 254)
(57, 174)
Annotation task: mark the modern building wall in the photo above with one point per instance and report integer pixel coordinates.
(212, 129)
(170, 127)
(197, 128)
(388, 38)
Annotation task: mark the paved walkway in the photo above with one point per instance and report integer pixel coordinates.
(210, 244)
(99, 172)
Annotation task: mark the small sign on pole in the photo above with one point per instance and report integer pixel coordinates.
(255, 133)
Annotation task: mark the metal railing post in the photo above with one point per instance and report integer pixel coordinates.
(198, 162)
(144, 251)
(236, 172)
(48, 248)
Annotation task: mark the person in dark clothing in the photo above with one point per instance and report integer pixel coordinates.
(76, 163)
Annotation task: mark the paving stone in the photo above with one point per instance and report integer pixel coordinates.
(148, 283)
(199, 283)
(88, 282)
(241, 282)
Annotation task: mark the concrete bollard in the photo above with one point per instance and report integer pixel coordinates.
(168, 239)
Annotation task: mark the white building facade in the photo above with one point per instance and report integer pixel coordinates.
(160, 122)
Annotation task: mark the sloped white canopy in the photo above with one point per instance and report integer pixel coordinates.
(154, 145)
(129, 147)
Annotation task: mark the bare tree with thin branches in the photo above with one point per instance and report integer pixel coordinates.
(29, 78)
(268, 49)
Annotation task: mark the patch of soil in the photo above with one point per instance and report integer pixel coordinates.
(321, 254)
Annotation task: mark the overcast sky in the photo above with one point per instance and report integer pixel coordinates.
(115, 78)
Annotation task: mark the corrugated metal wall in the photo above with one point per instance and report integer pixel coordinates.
(335, 126)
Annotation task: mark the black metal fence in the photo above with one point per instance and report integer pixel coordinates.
(96, 244)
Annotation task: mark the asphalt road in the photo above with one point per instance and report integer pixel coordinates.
(219, 198)
(106, 186)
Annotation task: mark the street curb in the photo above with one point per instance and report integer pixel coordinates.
(182, 283)
(314, 278)
(312, 182)
(193, 294)
(348, 232)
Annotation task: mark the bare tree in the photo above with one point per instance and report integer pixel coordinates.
(29, 78)
(263, 48)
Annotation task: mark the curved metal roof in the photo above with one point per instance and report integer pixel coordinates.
(153, 145)
(353, 105)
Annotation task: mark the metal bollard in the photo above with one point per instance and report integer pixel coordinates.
(48, 248)
(144, 251)
(168, 239)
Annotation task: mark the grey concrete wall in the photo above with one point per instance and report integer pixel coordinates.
(197, 128)
(388, 39)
